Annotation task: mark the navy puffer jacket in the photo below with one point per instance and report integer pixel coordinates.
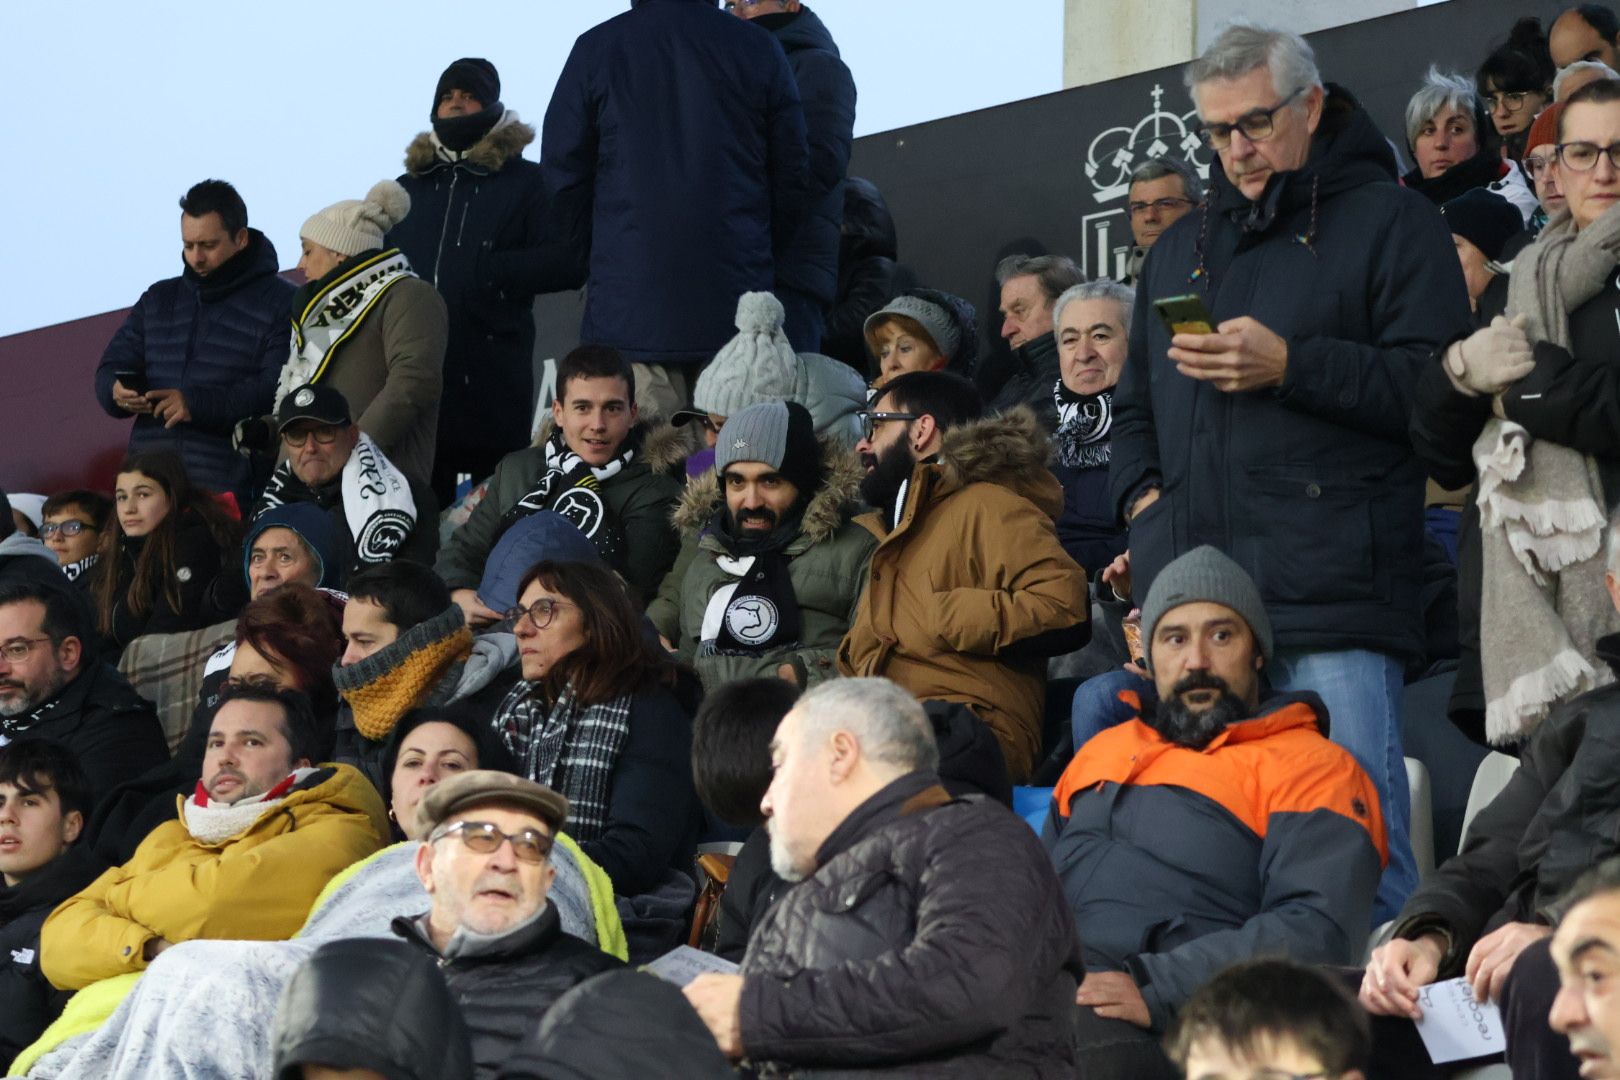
(221, 340)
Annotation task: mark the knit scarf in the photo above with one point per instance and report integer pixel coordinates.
(335, 311)
(403, 674)
(466, 132)
(214, 823)
(76, 570)
(572, 488)
(570, 747)
(1085, 422)
(378, 505)
(758, 610)
(1542, 511)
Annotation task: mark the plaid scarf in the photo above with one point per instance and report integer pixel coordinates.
(572, 749)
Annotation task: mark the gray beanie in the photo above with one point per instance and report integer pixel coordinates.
(757, 365)
(355, 225)
(935, 321)
(777, 433)
(1206, 575)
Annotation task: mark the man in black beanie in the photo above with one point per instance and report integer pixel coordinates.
(474, 231)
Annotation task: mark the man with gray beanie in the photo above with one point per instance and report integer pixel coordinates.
(772, 561)
(1229, 824)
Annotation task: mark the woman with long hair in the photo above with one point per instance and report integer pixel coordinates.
(597, 719)
(164, 546)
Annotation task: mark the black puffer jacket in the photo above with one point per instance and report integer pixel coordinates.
(28, 1002)
(1558, 816)
(868, 275)
(933, 941)
(505, 985)
(1311, 486)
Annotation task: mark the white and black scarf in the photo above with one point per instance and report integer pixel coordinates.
(572, 488)
(334, 314)
(757, 612)
(1085, 422)
(571, 748)
(76, 570)
(377, 502)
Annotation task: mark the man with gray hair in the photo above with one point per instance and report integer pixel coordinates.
(1029, 286)
(1271, 420)
(1163, 190)
(923, 928)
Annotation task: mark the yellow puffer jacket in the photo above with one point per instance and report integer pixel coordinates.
(257, 885)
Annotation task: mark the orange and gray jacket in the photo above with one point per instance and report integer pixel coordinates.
(1179, 862)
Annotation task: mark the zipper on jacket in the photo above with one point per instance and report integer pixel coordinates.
(462, 228)
(444, 229)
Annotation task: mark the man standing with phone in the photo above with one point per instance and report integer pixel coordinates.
(1281, 437)
(201, 351)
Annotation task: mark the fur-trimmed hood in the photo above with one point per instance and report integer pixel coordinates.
(491, 153)
(1010, 449)
(837, 501)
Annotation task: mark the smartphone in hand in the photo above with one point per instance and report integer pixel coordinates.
(132, 380)
(1185, 314)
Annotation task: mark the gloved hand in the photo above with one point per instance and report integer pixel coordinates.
(256, 433)
(1491, 359)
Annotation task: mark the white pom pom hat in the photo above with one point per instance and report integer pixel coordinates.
(355, 225)
(757, 365)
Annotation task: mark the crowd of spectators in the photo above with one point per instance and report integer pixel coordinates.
(910, 711)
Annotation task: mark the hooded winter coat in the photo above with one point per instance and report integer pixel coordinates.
(972, 568)
(221, 341)
(931, 941)
(809, 264)
(868, 275)
(674, 152)
(28, 1003)
(474, 223)
(505, 984)
(827, 567)
(1179, 862)
(323, 530)
(390, 369)
(640, 496)
(1312, 485)
(258, 884)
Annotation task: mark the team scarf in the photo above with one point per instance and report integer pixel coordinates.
(377, 502)
(76, 570)
(572, 488)
(1085, 422)
(571, 748)
(757, 612)
(333, 315)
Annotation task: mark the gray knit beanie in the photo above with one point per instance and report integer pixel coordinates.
(757, 365)
(355, 225)
(1206, 575)
(935, 321)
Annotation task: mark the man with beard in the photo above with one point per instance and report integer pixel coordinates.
(1223, 826)
(53, 686)
(773, 560)
(969, 591)
(245, 857)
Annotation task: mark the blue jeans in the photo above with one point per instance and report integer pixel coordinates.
(1097, 706)
(1362, 691)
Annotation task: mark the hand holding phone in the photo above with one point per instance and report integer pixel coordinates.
(1185, 314)
(129, 391)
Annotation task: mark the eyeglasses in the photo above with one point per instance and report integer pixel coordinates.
(1583, 156)
(870, 420)
(530, 845)
(1512, 101)
(541, 612)
(1257, 125)
(17, 649)
(70, 527)
(1536, 164)
(323, 436)
(1161, 206)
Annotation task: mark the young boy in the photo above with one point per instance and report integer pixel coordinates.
(1269, 1018)
(44, 799)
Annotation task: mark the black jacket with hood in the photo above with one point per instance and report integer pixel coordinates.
(1312, 485)
(28, 1002)
(868, 274)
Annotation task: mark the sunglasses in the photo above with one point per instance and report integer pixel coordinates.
(529, 845)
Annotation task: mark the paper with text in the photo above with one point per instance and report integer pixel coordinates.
(1455, 1027)
(683, 964)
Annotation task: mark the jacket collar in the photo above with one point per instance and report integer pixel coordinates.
(533, 935)
(67, 703)
(909, 794)
(52, 883)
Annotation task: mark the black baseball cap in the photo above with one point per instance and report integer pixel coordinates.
(321, 404)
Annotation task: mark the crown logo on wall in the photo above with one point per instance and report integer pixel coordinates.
(1114, 153)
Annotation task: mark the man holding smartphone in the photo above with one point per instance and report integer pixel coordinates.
(1277, 431)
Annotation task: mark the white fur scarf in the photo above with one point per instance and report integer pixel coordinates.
(214, 823)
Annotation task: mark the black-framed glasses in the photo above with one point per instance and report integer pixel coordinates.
(1162, 206)
(323, 436)
(1583, 156)
(540, 613)
(1257, 125)
(529, 845)
(1512, 101)
(1537, 164)
(70, 527)
(17, 649)
(870, 420)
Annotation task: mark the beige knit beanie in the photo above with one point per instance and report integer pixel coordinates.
(355, 225)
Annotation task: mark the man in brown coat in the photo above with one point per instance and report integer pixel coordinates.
(969, 591)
